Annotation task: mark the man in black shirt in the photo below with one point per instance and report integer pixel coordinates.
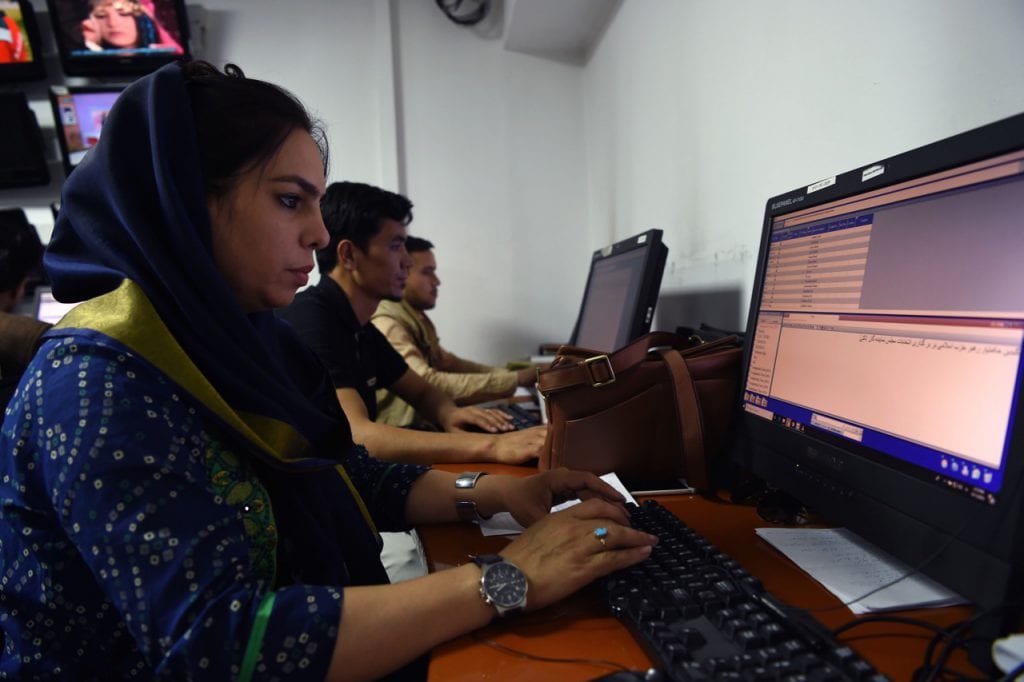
(364, 263)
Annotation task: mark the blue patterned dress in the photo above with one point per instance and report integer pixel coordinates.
(135, 542)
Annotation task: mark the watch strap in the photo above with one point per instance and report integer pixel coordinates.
(483, 560)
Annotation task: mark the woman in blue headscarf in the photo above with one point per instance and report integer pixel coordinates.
(180, 497)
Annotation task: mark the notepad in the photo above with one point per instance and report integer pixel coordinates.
(851, 568)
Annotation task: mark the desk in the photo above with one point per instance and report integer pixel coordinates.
(581, 628)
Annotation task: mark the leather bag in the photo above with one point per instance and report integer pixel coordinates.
(658, 409)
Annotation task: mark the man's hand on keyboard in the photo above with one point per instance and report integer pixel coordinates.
(518, 447)
(478, 419)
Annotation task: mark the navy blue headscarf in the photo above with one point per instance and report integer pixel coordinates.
(136, 208)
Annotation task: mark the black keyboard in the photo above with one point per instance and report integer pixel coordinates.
(522, 418)
(700, 616)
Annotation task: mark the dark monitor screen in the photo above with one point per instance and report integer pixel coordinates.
(118, 38)
(23, 160)
(621, 292)
(21, 56)
(79, 113)
(882, 384)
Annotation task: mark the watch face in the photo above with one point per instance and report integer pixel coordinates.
(505, 585)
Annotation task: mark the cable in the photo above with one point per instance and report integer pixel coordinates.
(451, 10)
(878, 618)
(600, 663)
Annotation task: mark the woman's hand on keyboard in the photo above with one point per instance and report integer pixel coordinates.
(562, 553)
(530, 499)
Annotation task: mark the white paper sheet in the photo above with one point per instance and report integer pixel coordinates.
(850, 568)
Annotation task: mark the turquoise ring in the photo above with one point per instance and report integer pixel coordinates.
(601, 533)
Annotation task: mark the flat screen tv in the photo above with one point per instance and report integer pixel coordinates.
(79, 114)
(882, 382)
(21, 56)
(621, 292)
(118, 38)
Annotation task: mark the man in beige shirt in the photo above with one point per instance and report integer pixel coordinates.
(411, 332)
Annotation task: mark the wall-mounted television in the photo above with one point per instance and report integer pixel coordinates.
(118, 38)
(79, 114)
(21, 56)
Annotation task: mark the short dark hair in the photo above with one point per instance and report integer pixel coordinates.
(241, 122)
(354, 211)
(417, 244)
(21, 251)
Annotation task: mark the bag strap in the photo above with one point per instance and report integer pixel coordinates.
(598, 369)
(690, 421)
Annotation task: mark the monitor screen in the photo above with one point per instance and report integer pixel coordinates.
(115, 38)
(882, 384)
(621, 292)
(21, 56)
(79, 113)
(49, 309)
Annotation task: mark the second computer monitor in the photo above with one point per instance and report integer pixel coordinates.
(621, 292)
(80, 113)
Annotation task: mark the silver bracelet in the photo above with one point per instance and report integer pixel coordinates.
(467, 509)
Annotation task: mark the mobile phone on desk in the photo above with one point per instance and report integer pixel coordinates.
(648, 488)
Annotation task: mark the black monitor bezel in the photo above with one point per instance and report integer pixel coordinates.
(113, 65)
(58, 90)
(920, 522)
(35, 69)
(647, 296)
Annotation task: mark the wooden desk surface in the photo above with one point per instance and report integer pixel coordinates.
(579, 629)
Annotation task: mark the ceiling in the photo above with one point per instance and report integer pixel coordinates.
(562, 30)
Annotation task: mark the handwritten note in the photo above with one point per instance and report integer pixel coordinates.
(853, 569)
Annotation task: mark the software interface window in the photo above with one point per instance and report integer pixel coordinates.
(895, 319)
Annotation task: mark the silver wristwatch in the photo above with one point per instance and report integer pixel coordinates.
(502, 584)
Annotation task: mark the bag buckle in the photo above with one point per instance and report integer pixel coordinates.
(590, 370)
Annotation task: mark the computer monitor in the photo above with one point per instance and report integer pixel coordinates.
(118, 38)
(47, 308)
(79, 113)
(21, 55)
(882, 384)
(621, 292)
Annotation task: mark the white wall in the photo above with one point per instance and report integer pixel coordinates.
(495, 166)
(697, 112)
(326, 53)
